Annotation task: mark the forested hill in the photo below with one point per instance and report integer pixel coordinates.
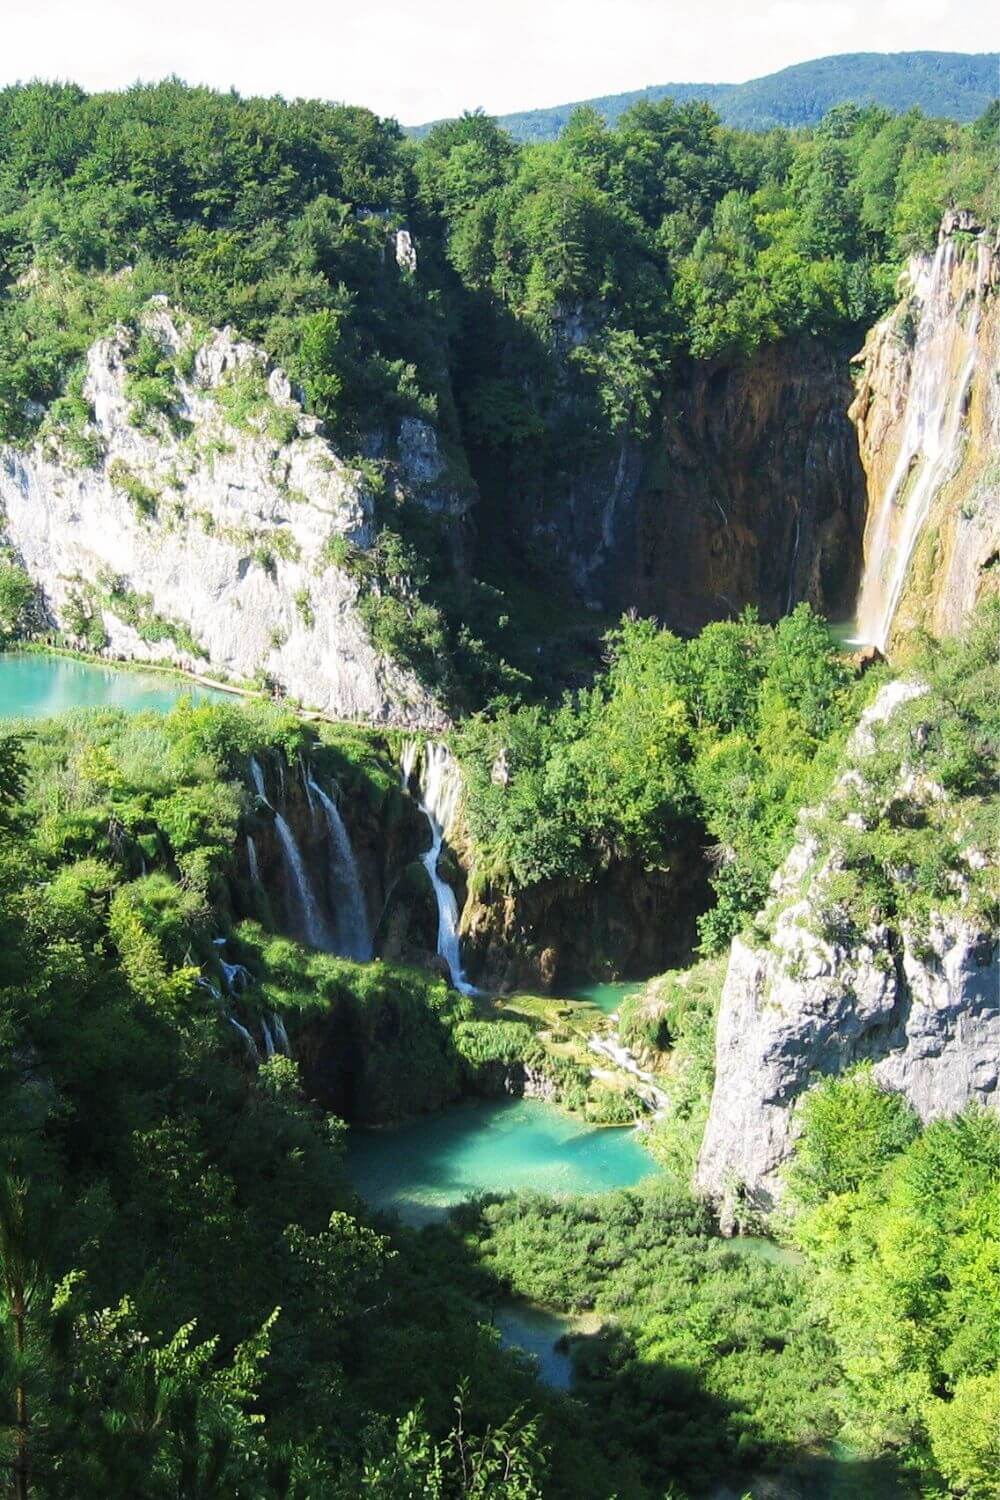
(953, 85)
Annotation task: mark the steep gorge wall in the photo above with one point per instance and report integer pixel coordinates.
(749, 491)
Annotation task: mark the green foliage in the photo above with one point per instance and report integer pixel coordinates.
(730, 730)
(710, 1357)
(558, 288)
(850, 1129)
(16, 595)
(157, 1190)
(900, 1228)
(906, 852)
(142, 497)
(675, 1017)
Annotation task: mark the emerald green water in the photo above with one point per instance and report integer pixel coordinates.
(421, 1169)
(607, 997)
(38, 686)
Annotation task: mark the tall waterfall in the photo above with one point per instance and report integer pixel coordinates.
(930, 451)
(311, 921)
(440, 789)
(353, 935)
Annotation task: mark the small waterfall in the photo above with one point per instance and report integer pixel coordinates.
(280, 1035)
(440, 789)
(248, 1040)
(252, 862)
(795, 560)
(269, 1048)
(257, 777)
(237, 977)
(944, 359)
(408, 762)
(311, 922)
(353, 935)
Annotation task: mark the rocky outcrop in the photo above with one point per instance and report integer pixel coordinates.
(920, 1002)
(217, 532)
(927, 412)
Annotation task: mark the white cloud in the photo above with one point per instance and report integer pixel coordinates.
(419, 59)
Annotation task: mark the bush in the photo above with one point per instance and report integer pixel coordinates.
(17, 593)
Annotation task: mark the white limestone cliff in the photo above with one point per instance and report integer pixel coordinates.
(920, 1004)
(214, 540)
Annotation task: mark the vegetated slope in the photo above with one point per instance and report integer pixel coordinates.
(953, 85)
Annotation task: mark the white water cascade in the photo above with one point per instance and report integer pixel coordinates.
(440, 789)
(248, 1040)
(252, 863)
(314, 928)
(930, 451)
(353, 934)
(281, 1035)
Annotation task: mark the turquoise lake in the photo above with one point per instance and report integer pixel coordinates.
(38, 686)
(606, 997)
(421, 1169)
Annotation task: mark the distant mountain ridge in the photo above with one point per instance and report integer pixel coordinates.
(956, 85)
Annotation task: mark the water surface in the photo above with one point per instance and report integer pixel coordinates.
(421, 1169)
(544, 1334)
(36, 686)
(607, 997)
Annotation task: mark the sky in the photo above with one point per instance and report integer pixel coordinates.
(422, 59)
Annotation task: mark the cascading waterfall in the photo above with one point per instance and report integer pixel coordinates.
(942, 368)
(353, 935)
(281, 1035)
(440, 789)
(312, 923)
(252, 862)
(237, 979)
(248, 1040)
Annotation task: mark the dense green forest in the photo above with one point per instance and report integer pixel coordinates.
(954, 85)
(559, 290)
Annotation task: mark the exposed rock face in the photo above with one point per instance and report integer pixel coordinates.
(921, 1005)
(750, 491)
(211, 542)
(927, 413)
(626, 921)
